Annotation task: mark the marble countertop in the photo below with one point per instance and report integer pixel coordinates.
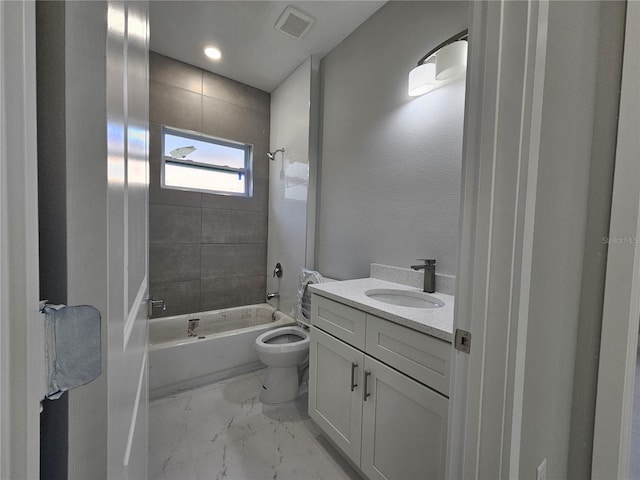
(437, 322)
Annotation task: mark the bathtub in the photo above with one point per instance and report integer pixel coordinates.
(221, 346)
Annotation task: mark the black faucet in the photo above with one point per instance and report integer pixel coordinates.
(429, 268)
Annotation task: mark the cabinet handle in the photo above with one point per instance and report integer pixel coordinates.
(354, 365)
(365, 394)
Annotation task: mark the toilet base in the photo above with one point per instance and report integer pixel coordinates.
(280, 385)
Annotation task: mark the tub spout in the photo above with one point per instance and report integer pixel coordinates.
(271, 296)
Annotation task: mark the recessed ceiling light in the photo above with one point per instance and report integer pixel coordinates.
(213, 53)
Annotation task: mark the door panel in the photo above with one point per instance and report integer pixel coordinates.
(137, 464)
(404, 427)
(127, 106)
(332, 403)
(137, 139)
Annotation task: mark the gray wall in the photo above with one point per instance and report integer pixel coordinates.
(390, 164)
(206, 251)
(572, 205)
(50, 58)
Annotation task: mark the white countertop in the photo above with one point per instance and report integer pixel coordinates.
(437, 322)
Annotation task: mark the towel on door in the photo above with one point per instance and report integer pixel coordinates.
(72, 347)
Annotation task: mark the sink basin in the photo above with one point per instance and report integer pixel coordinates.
(404, 298)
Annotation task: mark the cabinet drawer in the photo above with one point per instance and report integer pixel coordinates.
(418, 355)
(345, 323)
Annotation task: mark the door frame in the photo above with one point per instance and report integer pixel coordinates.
(621, 310)
(21, 327)
(487, 385)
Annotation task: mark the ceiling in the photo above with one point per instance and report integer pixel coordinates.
(253, 51)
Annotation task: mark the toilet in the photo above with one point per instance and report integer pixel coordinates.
(282, 350)
(285, 350)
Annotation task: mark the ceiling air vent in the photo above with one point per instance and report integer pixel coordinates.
(294, 23)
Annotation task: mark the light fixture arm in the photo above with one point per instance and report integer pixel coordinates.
(463, 35)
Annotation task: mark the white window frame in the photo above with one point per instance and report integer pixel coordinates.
(247, 171)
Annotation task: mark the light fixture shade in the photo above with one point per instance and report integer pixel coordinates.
(422, 79)
(451, 60)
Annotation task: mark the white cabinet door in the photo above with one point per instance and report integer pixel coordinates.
(404, 427)
(335, 402)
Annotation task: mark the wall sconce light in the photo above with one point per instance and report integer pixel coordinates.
(445, 62)
(422, 79)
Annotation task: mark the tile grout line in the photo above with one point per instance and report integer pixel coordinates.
(203, 95)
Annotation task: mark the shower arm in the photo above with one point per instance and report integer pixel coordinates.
(272, 155)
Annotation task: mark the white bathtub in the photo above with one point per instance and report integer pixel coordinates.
(221, 348)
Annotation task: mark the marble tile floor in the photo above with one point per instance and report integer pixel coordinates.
(222, 431)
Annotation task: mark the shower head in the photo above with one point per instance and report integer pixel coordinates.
(272, 155)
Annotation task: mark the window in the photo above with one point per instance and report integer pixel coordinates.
(194, 161)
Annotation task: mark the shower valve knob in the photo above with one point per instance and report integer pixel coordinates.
(278, 271)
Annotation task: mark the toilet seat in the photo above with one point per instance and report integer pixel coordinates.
(262, 342)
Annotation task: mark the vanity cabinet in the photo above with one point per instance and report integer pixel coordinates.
(370, 392)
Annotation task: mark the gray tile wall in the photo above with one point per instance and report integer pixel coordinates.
(207, 251)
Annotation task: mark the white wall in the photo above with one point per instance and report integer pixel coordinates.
(289, 183)
(390, 164)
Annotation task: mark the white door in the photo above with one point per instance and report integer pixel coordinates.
(404, 426)
(21, 343)
(335, 391)
(127, 114)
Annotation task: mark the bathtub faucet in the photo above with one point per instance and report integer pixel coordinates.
(271, 296)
